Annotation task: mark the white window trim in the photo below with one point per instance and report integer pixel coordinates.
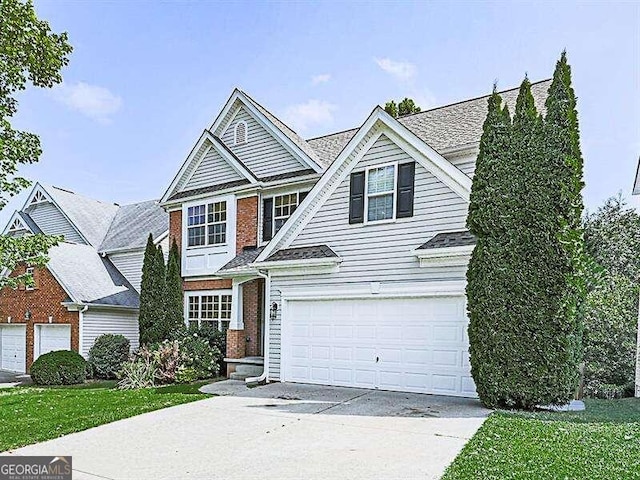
(207, 224)
(394, 192)
(30, 270)
(246, 133)
(200, 294)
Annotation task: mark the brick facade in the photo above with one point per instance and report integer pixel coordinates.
(220, 284)
(175, 228)
(42, 302)
(247, 223)
(251, 315)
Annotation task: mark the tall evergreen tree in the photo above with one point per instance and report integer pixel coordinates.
(151, 315)
(173, 307)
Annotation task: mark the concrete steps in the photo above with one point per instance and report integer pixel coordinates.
(244, 371)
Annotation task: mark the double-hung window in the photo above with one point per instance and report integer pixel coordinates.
(207, 224)
(381, 193)
(283, 208)
(213, 309)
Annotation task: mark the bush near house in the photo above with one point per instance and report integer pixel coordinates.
(107, 355)
(217, 339)
(62, 367)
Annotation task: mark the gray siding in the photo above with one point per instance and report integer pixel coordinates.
(130, 265)
(466, 163)
(262, 154)
(52, 222)
(186, 175)
(212, 170)
(380, 253)
(117, 322)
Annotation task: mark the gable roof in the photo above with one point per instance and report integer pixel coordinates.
(444, 128)
(91, 218)
(88, 277)
(377, 124)
(460, 238)
(132, 225)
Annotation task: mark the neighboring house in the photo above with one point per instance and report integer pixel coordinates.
(337, 260)
(90, 285)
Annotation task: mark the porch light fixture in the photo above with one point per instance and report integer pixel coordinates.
(27, 315)
(50, 318)
(274, 310)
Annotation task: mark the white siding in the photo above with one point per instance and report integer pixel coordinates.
(375, 253)
(263, 154)
(466, 163)
(98, 322)
(165, 248)
(130, 265)
(212, 170)
(52, 222)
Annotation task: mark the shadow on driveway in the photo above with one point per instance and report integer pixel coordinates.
(326, 400)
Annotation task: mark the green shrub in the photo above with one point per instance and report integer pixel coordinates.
(217, 340)
(198, 354)
(139, 372)
(107, 355)
(62, 367)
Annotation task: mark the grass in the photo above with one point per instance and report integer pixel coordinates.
(602, 442)
(34, 414)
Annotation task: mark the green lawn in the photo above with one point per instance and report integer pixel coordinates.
(30, 414)
(602, 442)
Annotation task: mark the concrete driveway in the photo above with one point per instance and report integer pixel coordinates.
(278, 431)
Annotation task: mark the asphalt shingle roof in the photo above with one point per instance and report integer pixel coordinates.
(302, 253)
(247, 256)
(133, 224)
(209, 189)
(90, 278)
(442, 128)
(449, 239)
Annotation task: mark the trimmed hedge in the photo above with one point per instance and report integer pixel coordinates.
(107, 355)
(62, 367)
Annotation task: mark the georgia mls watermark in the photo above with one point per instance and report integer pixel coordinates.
(35, 468)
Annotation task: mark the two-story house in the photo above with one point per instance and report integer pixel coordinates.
(337, 260)
(91, 283)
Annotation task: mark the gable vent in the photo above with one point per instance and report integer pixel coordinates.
(38, 198)
(17, 225)
(240, 133)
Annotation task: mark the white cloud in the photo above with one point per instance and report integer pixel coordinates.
(301, 116)
(403, 71)
(322, 78)
(95, 102)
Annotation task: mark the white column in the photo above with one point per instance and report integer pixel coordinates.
(237, 322)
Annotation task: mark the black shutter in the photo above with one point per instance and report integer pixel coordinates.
(302, 196)
(267, 219)
(356, 198)
(406, 176)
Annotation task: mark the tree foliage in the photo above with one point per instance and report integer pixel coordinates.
(524, 280)
(152, 288)
(30, 53)
(174, 313)
(405, 107)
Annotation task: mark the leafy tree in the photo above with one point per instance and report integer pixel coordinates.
(391, 108)
(404, 107)
(524, 279)
(29, 54)
(612, 240)
(151, 317)
(174, 313)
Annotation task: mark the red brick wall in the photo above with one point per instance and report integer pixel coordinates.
(43, 301)
(251, 313)
(235, 343)
(206, 284)
(175, 228)
(247, 223)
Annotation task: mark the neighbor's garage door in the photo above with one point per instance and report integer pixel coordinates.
(50, 338)
(13, 348)
(411, 344)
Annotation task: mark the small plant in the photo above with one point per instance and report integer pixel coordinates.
(62, 367)
(167, 359)
(107, 355)
(139, 372)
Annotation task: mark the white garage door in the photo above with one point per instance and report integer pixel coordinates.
(50, 338)
(13, 348)
(410, 344)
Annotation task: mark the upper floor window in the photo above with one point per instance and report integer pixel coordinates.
(207, 224)
(209, 309)
(30, 271)
(381, 192)
(240, 133)
(277, 210)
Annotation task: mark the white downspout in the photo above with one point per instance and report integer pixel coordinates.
(266, 311)
(81, 327)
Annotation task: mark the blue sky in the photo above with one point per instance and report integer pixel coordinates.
(146, 78)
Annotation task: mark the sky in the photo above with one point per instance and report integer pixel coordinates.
(146, 78)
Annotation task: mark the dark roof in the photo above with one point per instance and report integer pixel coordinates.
(450, 239)
(443, 128)
(283, 176)
(247, 256)
(302, 253)
(133, 224)
(209, 189)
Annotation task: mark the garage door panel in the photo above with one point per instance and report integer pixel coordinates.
(13, 348)
(420, 343)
